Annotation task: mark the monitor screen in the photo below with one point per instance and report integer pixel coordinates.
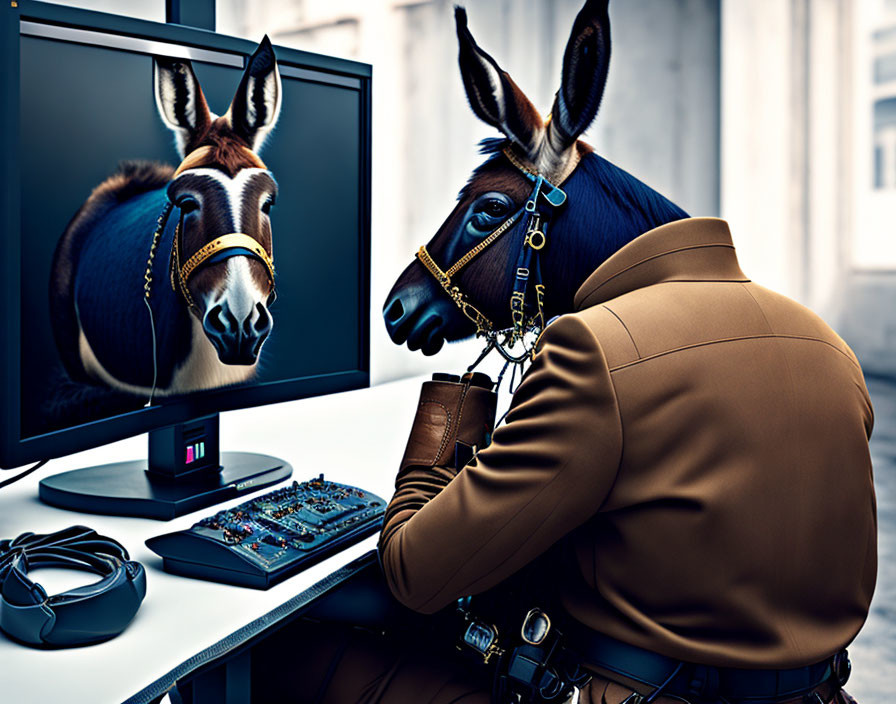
(86, 104)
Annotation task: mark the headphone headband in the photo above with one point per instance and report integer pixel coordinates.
(88, 614)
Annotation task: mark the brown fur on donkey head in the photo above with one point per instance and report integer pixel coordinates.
(549, 145)
(417, 311)
(229, 142)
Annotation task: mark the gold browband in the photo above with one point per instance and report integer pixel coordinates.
(231, 241)
(235, 239)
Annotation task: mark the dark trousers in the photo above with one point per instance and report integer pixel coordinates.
(359, 646)
(322, 663)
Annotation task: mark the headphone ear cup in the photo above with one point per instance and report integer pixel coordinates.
(17, 588)
(80, 616)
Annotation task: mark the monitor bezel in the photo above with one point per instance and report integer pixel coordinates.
(15, 450)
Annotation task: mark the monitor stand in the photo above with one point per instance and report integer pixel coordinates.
(185, 472)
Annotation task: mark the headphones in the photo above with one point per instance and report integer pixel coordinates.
(80, 616)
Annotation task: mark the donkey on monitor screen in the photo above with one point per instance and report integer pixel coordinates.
(162, 281)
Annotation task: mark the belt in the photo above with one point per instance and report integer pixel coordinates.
(682, 679)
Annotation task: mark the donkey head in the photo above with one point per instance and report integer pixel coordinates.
(417, 310)
(222, 187)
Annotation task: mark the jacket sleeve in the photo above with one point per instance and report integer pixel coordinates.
(547, 471)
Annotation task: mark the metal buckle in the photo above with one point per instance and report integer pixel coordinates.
(517, 315)
(536, 244)
(536, 627)
(481, 638)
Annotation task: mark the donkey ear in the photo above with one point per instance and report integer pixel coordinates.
(585, 65)
(493, 95)
(256, 105)
(180, 100)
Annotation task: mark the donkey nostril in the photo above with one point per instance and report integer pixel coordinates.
(215, 320)
(395, 311)
(261, 323)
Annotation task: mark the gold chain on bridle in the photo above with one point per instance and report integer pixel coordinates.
(536, 219)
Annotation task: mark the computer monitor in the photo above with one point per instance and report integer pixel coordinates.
(78, 91)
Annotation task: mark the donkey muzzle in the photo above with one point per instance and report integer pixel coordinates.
(237, 341)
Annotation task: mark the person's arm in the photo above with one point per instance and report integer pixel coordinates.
(546, 472)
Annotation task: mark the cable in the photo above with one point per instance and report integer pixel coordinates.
(22, 475)
(147, 289)
(155, 362)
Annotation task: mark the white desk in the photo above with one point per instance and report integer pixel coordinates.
(355, 438)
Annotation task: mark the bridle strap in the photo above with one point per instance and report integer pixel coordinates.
(526, 167)
(181, 273)
(483, 324)
(445, 276)
(536, 220)
(231, 241)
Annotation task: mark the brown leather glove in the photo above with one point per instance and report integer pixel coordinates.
(455, 418)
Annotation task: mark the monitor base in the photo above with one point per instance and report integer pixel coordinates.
(127, 489)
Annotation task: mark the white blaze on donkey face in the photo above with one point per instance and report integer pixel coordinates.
(232, 290)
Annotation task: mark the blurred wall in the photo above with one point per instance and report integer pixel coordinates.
(785, 144)
(659, 117)
(807, 181)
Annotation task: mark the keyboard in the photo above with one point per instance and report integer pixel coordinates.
(265, 540)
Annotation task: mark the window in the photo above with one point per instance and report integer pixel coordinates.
(874, 135)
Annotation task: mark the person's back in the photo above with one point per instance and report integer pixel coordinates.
(740, 528)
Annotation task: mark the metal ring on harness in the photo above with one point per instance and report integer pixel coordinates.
(534, 243)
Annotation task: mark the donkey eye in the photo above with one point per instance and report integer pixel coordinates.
(495, 208)
(487, 213)
(187, 204)
(267, 205)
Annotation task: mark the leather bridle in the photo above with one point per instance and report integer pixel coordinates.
(223, 247)
(220, 248)
(526, 315)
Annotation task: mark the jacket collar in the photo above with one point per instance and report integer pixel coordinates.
(695, 249)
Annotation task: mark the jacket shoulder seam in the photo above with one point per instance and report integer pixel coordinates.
(625, 327)
(735, 339)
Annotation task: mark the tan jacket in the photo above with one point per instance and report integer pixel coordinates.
(703, 440)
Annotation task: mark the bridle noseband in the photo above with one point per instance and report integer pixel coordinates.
(525, 316)
(220, 248)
